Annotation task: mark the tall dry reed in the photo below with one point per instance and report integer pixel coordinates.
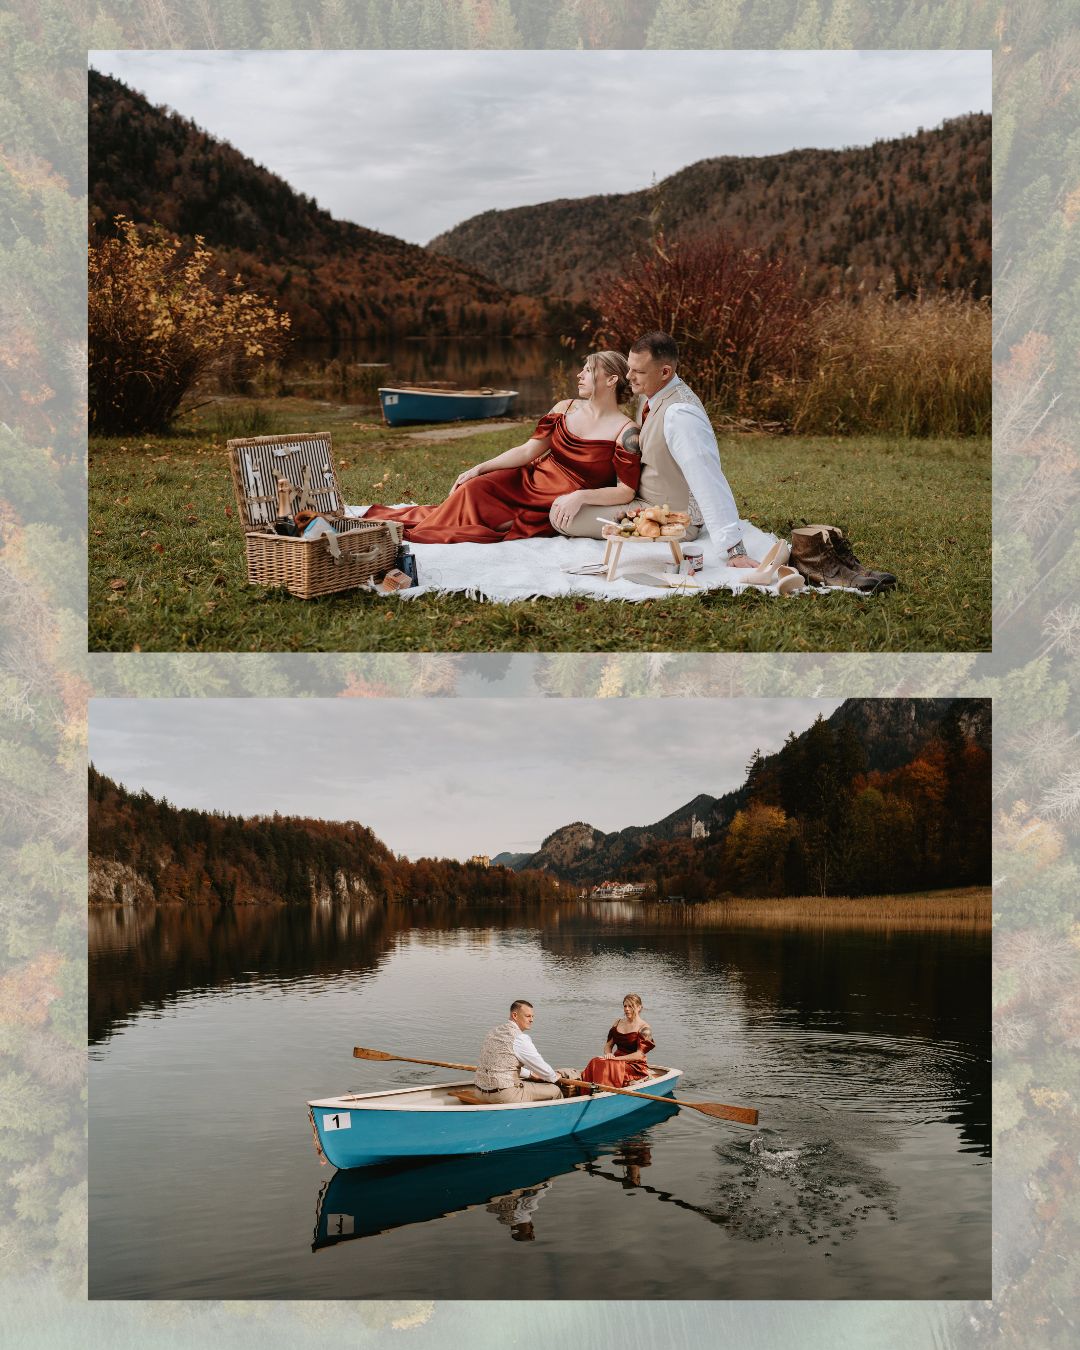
(917, 367)
(968, 908)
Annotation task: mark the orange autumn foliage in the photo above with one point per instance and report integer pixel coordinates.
(1028, 358)
(358, 687)
(27, 991)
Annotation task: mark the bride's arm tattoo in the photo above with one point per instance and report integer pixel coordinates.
(631, 441)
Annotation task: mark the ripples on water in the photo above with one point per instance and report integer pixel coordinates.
(909, 1079)
(866, 1055)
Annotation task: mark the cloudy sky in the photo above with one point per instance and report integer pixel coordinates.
(442, 777)
(413, 142)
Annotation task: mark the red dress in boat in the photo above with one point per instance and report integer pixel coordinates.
(620, 1072)
(514, 503)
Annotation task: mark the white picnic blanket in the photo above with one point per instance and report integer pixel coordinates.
(522, 569)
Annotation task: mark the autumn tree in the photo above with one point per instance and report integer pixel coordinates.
(735, 312)
(160, 318)
(755, 850)
(882, 832)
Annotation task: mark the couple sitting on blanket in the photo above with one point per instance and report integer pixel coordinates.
(511, 1069)
(586, 462)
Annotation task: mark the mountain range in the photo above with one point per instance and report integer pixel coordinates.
(336, 279)
(907, 214)
(889, 734)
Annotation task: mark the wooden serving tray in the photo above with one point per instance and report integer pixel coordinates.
(644, 539)
(616, 541)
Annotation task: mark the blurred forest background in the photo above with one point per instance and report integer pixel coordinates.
(1033, 675)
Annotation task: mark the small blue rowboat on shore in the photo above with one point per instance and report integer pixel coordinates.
(359, 1129)
(406, 404)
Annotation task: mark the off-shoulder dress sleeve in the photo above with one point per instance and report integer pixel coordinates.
(644, 1044)
(545, 426)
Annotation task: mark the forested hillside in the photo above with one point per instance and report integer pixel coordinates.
(144, 850)
(903, 216)
(887, 796)
(335, 279)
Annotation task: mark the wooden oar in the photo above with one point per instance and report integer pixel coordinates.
(745, 1115)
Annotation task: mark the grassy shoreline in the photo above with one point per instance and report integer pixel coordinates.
(167, 567)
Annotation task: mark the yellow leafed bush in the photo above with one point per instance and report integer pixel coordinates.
(160, 316)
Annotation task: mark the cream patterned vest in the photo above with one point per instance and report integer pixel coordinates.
(498, 1066)
(661, 478)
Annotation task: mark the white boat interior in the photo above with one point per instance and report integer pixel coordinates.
(446, 393)
(443, 1096)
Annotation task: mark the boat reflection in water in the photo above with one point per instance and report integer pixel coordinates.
(511, 1185)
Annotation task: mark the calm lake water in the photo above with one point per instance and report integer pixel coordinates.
(865, 1048)
(532, 366)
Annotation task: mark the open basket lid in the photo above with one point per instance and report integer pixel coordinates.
(305, 460)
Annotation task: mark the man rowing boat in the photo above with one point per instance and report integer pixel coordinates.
(510, 1068)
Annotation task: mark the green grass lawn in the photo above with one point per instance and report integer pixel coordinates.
(167, 569)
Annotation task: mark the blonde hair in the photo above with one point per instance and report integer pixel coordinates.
(611, 363)
(635, 999)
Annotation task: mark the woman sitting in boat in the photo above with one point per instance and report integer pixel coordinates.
(628, 1042)
(585, 452)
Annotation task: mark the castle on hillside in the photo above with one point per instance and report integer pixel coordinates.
(698, 828)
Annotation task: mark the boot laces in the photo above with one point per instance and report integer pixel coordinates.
(844, 551)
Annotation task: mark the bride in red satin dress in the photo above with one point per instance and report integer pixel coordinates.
(585, 452)
(628, 1042)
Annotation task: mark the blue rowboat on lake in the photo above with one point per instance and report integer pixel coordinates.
(364, 1201)
(406, 404)
(359, 1129)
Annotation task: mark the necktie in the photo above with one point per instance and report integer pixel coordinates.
(644, 413)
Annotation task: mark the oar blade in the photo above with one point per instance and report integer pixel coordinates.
(359, 1052)
(746, 1115)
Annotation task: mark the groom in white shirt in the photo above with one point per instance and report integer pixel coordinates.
(680, 460)
(510, 1068)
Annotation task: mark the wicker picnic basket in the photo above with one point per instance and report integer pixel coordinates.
(306, 567)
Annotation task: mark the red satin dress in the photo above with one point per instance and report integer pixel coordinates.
(514, 503)
(619, 1073)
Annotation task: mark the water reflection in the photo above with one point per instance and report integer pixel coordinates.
(510, 1185)
(848, 1016)
(142, 956)
(766, 1190)
(866, 1052)
(146, 955)
(540, 369)
(845, 1018)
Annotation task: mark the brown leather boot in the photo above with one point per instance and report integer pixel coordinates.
(885, 580)
(824, 557)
